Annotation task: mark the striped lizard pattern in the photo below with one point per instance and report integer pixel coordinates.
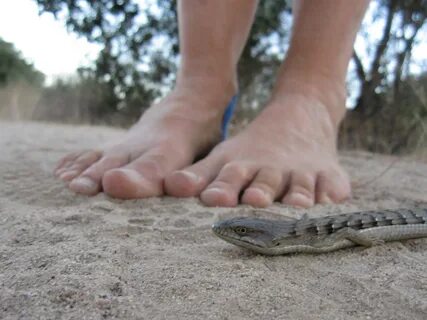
(324, 234)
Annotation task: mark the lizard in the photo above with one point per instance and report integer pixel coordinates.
(324, 234)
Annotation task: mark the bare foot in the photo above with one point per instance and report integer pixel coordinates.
(287, 153)
(169, 136)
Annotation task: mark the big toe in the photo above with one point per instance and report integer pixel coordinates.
(125, 183)
(141, 178)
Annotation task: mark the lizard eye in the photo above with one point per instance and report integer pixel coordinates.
(241, 230)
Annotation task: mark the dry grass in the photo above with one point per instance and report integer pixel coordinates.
(18, 101)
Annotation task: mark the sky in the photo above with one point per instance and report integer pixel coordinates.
(46, 43)
(43, 40)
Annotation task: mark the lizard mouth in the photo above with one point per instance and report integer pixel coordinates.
(243, 241)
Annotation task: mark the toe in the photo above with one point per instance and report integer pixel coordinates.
(63, 168)
(141, 178)
(78, 165)
(264, 189)
(66, 162)
(89, 181)
(332, 187)
(68, 174)
(225, 189)
(191, 181)
(125, 183)
(301, 190)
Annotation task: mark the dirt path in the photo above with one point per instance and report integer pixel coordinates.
(71, 257)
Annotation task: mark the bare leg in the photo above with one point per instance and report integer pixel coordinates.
(185, 123)
(288, 152)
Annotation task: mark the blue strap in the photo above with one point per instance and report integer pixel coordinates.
(228, 114)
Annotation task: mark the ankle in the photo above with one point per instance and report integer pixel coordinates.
(198, 98)
(219, 84)
(329, 92)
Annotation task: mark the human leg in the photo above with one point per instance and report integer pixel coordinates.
(288, 152)
(186, 122)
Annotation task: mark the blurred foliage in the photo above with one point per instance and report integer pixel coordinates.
(390, 111)
(14, 68)
(20, 84)
(129, 64)
(139, 56)
(84, 98)
(140, 48)
(400, 126)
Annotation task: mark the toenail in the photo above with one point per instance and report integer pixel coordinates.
(324, 198)
(259, 191)
(300, 195)
(299, 200)
(60, 171)
(84, 183)
(214, 190)
(67, 175)
(190, 175)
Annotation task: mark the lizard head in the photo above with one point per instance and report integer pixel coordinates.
(251, 233)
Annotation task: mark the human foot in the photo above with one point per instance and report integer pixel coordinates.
(169, 136)
(287, 153)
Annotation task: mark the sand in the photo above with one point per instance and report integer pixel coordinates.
(64, 256)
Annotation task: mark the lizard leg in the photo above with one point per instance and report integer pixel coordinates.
(357, 237)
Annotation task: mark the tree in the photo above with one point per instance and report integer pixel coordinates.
(140, 44)
(77, 99)
(13, 68)
(382, 107)
(20, 83)
(140, 52)
(402, 22)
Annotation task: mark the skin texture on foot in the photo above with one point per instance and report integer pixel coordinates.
(169, 136)
(184, 125)
(288, 153)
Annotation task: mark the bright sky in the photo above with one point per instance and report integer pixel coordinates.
(43, 40)
(46, 43)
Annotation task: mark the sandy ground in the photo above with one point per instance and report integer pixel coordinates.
(64, 256)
